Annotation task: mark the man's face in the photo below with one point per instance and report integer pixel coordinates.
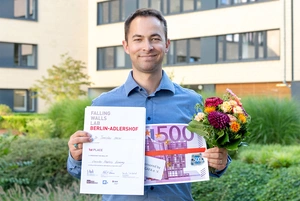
(146, 44)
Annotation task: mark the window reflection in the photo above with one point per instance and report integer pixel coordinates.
(248, 46)
(181, 53)
(109, 58)
(20, 100)
(175, 6)
(20, 8)
(156, 4)
(188, 5)
(143, 3)
(25, 9)
(261, 43)
(195, 50)
(273, 49)
(115, 11)
(120, 57)
(232, 46)
(27, 55)
(220, 48)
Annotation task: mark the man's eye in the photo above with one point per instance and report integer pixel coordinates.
(156, 39)
(137, 39)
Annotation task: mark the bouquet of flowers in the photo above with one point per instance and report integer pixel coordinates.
(222, 122)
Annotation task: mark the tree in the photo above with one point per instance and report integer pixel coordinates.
(64, 81)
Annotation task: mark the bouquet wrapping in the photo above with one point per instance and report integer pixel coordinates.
(222, 122)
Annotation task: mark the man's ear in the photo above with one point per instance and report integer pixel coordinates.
(167, 46)
(125, 46)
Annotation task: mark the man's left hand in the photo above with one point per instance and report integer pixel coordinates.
(217, 157)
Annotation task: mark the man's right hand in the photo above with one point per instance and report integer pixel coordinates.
(76, 143)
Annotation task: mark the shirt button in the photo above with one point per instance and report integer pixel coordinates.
(151, 188)
(148, 98)
(141, 89)
(149, 118)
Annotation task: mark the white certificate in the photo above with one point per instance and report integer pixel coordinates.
(114, 162)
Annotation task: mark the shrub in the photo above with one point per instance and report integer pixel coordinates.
(15, 122)
(48, 156)
(5, 110)
(273, 121)
(251, 182)
(40, 128)
(7, 176)
(273, 156)
(68, 116)
(49, 193)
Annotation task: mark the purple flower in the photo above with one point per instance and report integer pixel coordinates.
(218, 120)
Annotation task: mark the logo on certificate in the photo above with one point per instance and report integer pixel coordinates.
(91, 173)
(104, 182)
(197, 159)
(91, 182)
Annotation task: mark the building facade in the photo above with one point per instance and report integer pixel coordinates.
(33, 36)
(249, 46)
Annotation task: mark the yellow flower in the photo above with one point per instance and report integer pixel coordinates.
(242, 118)
(235, 127)
(226, 107)
(200, 116)
(209, 109)
(238, 110)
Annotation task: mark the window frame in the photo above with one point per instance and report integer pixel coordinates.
(30, 98)
(20, 65)
(27, 11)
(240, 48)
(101, 59)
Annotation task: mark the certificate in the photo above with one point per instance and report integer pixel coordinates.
(114, 162)
(174, 155)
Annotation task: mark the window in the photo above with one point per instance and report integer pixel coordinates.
(109, 58)
(117, 10)
(18, 55)
(19, 9)
(195, 51)
(248, 46)
(185, 51)
(252, 45)
(233, 2)
(24, 101)
(273, 49)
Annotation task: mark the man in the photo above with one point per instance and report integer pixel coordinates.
(148, 86)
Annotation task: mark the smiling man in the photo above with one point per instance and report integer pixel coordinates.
(148, 86)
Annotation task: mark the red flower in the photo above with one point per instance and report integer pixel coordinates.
(218, 120)
(213, 102)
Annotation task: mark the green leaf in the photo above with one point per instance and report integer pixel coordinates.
(196, 127)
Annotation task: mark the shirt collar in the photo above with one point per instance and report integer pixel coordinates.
(165, 84)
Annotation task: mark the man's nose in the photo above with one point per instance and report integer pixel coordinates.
(147, 45)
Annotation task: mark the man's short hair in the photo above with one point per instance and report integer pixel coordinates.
(145, 12)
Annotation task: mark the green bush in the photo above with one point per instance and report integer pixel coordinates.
(40, 128)
(49, 193)
(15, 122)
(273, 156)
(250, 182)
(5, 110)
(68, 116)
(7, 176)
(48, 156)
(273, 120)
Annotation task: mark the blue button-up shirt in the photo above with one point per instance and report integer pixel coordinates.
(170, 103)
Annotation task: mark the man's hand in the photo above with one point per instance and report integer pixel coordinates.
(75, 143)
(217, 157)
